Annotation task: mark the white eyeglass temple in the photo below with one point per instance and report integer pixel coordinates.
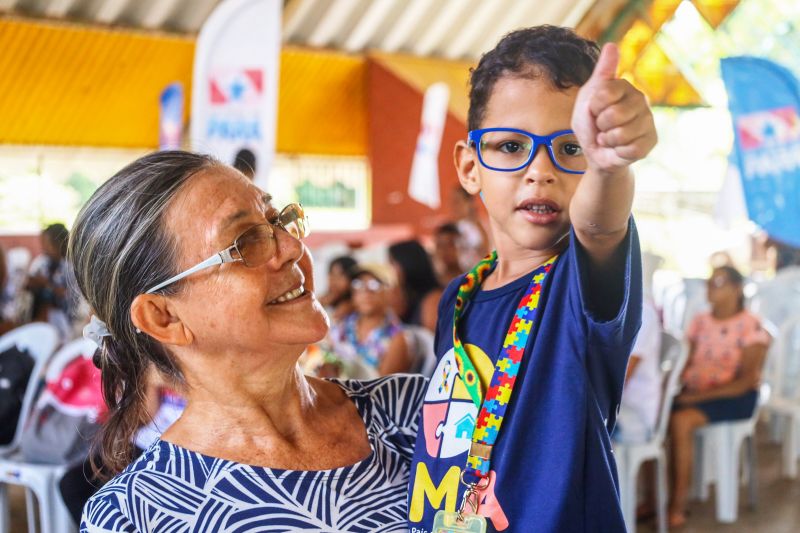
(215, 259)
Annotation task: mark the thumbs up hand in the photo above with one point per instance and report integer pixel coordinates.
(611, 119)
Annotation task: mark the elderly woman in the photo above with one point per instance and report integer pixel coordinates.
(188, 266)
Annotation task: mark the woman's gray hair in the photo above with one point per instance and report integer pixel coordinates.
(119, 246)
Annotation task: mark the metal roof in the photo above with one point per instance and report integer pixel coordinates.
(449, 29)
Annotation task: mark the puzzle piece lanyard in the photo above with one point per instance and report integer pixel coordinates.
(492, 409)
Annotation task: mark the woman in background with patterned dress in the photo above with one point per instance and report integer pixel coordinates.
(189, 267)
(371, 338)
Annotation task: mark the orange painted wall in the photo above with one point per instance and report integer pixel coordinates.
(394, 110)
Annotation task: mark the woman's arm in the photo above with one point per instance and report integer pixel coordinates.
(748, 379)
(397, 359)
(430, 309)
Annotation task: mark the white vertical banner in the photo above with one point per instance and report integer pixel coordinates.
(235, 82)
(423, 186)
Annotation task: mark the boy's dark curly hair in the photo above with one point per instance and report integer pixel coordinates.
(560, 54)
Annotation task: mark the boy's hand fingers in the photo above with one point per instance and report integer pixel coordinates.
(607, 63)
(624, 135)
(606, 93)
(612, 119)
(637, 149)
(623, 110)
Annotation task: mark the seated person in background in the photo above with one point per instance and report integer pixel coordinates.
(474, 244)
(163, 407)
(245, 162)
(416, 298)
(447, 240)
(641, 396)
(7, 322)
(370, 341)
(48, 283)
(338, 301)
(722, 376)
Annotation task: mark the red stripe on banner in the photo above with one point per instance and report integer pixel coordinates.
(217, 96)
(256, 78)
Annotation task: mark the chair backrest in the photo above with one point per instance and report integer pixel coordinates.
(40, 341)
(783, 361)
(682, 302)
(776, 300)
(66, 354)
(670, 351)
(420, 345)
(673, 358)
(18, 259)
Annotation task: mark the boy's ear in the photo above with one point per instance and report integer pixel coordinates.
(154, 315)
(466, 160)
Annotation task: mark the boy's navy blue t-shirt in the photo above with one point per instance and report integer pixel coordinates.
(552, 468)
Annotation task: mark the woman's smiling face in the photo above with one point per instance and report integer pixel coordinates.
(234, 306)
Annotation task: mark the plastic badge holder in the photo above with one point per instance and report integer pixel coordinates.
(447, 522)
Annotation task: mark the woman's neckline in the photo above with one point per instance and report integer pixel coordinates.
(729, 318)
(352, 395)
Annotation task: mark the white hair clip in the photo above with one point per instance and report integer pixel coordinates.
(95, 330)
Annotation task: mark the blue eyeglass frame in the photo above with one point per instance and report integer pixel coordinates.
(474, 139)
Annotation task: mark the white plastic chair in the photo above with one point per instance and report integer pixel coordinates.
(41, 480)
(717, 454)
(776, 300)
(682, 302)
(717, 457)
(631, 456)
(40, 341)
(784, 405)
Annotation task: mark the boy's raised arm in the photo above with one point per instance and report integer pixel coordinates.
(615, 127)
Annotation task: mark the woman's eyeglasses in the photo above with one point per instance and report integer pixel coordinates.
(718, 282)
(255, 246)
(369, 285)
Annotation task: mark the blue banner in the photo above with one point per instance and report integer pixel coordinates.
(170, 130)
(764, 100)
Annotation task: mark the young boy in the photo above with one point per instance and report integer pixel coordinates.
(552, 318)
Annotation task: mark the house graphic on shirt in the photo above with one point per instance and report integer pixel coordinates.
(465, 426)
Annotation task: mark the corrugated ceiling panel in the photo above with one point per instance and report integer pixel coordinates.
(322, 103)
(72, 85)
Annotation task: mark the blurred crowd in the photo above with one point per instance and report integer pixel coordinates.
(383, 316)
(37, 289)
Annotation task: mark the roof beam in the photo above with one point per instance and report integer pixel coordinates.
(58, 8)
(409, 20)
(577, 13)
(474, 30)
(368, 24)
(512, 20)
(332, 22)
(294, 16)
(439, 28)
(192, 20)
(110, 10)
(158, 13)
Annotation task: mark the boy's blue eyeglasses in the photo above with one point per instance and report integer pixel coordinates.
(510, 149)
